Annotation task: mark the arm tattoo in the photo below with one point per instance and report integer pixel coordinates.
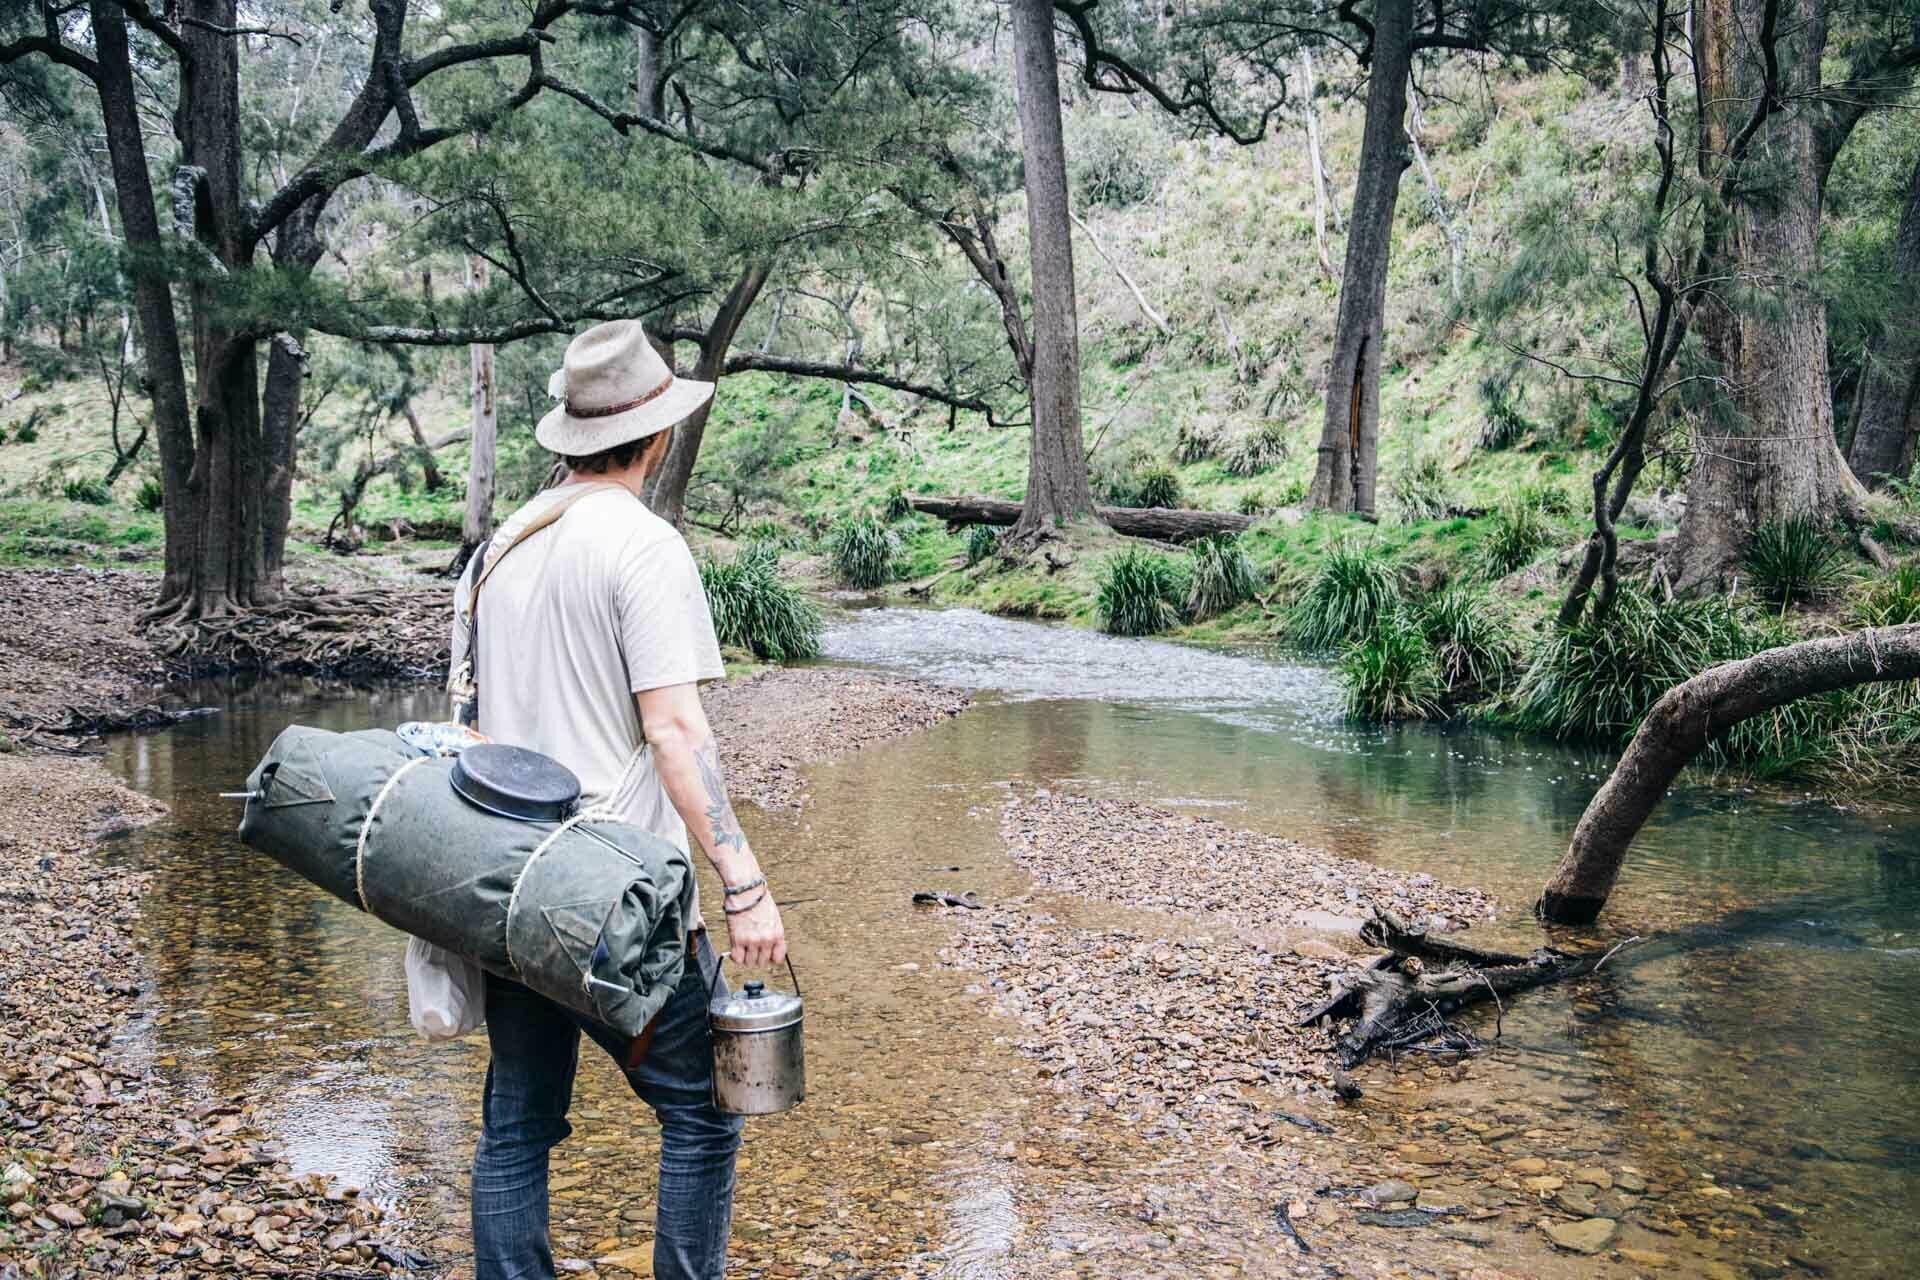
(720, 816)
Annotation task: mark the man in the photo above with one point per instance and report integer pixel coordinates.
(593, 636)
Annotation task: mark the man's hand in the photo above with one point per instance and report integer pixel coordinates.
(757, 938)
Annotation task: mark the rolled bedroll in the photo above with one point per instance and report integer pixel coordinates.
(592, 914)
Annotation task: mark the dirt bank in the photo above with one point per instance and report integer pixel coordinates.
(110, 1169)
(75, 661)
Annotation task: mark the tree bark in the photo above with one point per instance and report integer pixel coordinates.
(1160, 523)
(229, 478)
(1769, 451)
(1343, 478)
(1316, 166)
(1057, 486)
(1685, 719)
(153, 297)
(1883, 446)
(476, 522)
(667, 495)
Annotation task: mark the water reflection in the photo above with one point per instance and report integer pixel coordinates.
(1779, 1059)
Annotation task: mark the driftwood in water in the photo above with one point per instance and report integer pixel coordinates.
(1162, 524)
(1397, 1005)
(1681, 724)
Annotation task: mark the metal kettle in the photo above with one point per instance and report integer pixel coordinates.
(759, 1059)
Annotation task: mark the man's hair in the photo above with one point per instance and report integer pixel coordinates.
(621, 455)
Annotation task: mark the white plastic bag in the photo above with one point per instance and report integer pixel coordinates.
(446, 993)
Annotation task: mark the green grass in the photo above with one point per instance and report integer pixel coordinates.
(982, 541)
(1891, 600)
(864, 551)
(754, 608)
(1351, 593)
(1140, 593)
(1797, 558)
(1221, 575)
(1473, 640)
(1419, 490)
(1257, 450)
(1595, 682)
(1391, 673)
(1516, 535)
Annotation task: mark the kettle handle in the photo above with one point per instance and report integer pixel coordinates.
(721, 956)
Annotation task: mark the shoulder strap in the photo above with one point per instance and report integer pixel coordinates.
(488, 558)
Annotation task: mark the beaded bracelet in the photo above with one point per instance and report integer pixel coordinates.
(732, 910)
(754, 883)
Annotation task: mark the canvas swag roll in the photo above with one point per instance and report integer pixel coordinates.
(592, 913)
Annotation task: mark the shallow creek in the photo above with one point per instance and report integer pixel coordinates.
(1775, 1065)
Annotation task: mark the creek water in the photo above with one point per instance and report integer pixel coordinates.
(1774, 1062)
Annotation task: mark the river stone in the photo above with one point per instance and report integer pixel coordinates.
(1531, 1164)
(1594, 1177)
(1577, 1202)
(1589, 1235)
(1543, 1186)
(1646, 1257)
(1390, 1192)
(66, 1215)
(1628, 1180)
(1478, 1237)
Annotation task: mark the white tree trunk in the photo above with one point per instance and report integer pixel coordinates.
(477, 522)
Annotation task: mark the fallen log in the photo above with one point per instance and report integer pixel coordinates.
(1406, 998)
(1159, 523)
(1397, 1005)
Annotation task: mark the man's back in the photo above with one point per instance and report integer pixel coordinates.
(601, 604)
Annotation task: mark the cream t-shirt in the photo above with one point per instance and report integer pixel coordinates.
(602, 604)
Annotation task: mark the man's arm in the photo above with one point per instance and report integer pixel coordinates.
(688, 761)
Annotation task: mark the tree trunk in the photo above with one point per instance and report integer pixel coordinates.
(1769, 452)
(476, 523)
(228, 486)
(1057, 487)
(153, 298)
(1685, 719)
(279, 424)
(668, 493)
(1343, 478)
(1317, 169)
(1890, 383)
(1160, 523)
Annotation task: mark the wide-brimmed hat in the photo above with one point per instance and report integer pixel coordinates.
(613, 387)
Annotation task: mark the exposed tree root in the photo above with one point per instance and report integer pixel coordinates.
(359, 633)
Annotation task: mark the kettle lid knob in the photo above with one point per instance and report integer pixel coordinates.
(754, 990)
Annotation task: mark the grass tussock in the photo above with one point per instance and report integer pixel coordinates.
(1391, 673)
(1473, 641)
(1353, 592)
(1420, 491)
(1156, 486)
(1260, 449)
(982, 541)
(755, 608)
(1797, 558)
(1141, 593)
(1892, 600)
(864, 551)
(1518, 532)
(1222, 577)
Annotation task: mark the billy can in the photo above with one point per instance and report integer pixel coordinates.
(759, 1060)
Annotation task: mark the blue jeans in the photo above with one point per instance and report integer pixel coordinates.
(536, 1050)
